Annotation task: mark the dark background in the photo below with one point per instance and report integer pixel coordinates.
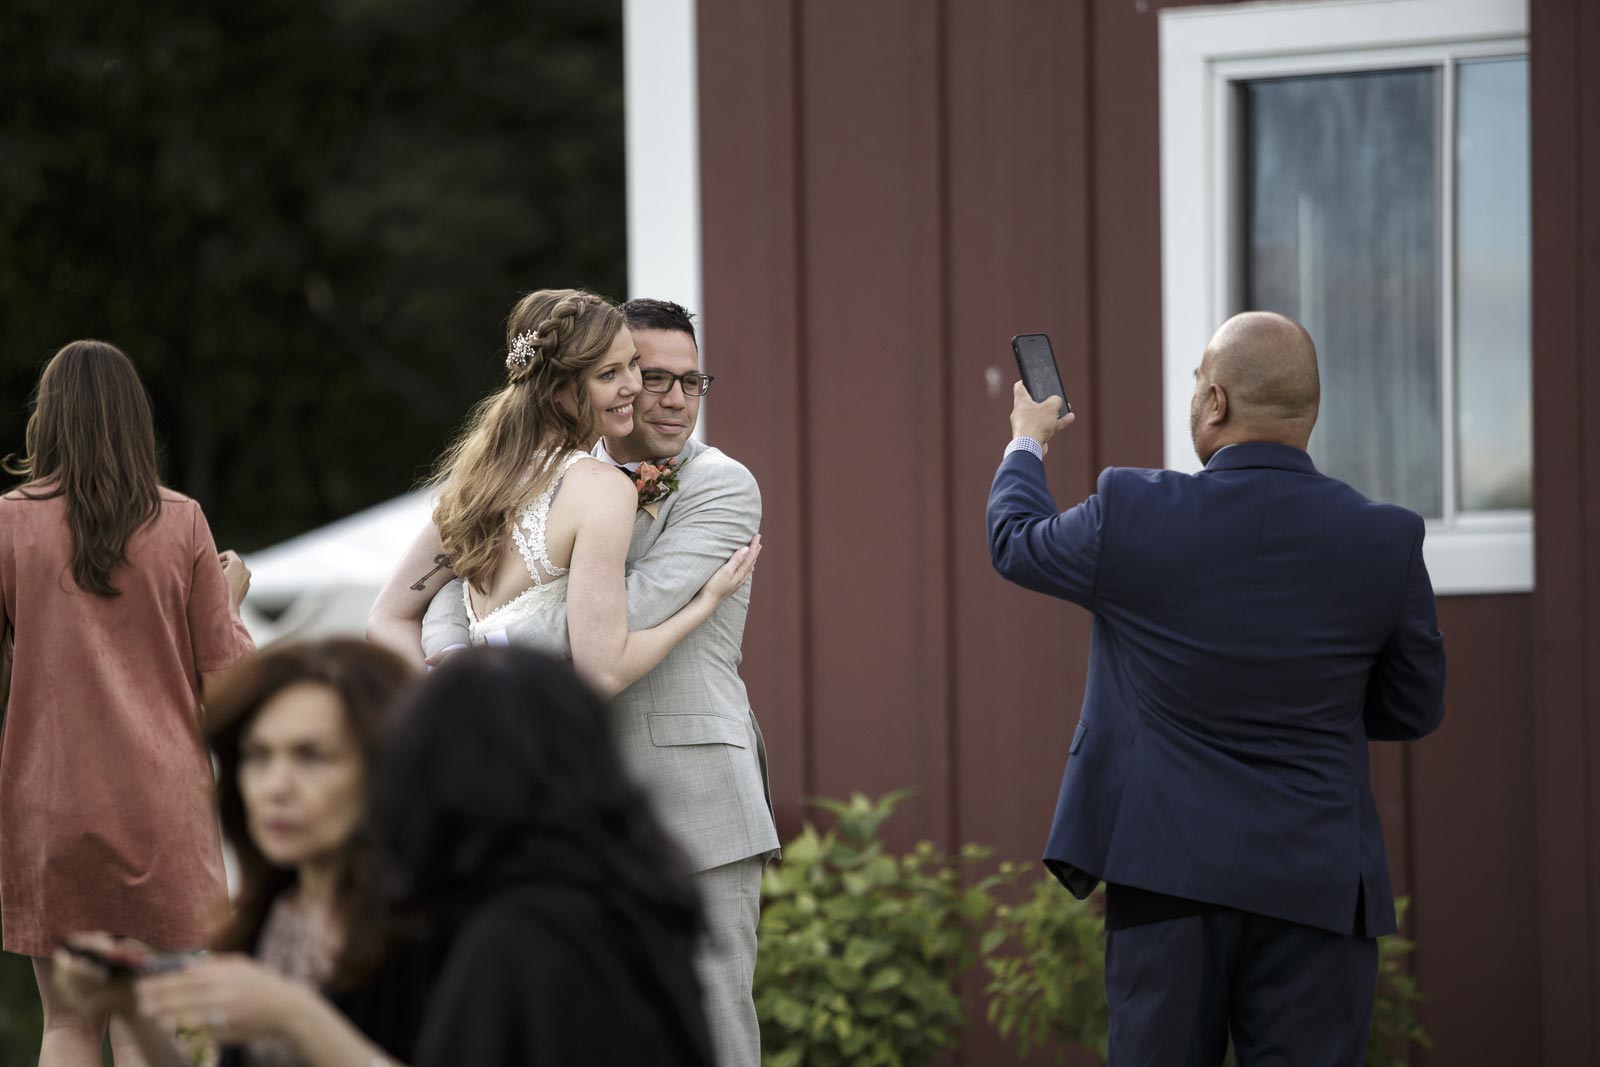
(305, 222)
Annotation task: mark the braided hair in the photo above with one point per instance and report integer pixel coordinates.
(514, 438)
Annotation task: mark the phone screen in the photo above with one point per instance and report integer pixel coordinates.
(117, 962)
(1037, 364)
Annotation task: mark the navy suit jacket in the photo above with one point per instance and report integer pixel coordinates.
(1255, 624)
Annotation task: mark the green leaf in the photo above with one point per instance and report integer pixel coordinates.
(885, 980)
(860, 952)
(803, 850)
(790, 1014)
(883, 871)
(793, 1056)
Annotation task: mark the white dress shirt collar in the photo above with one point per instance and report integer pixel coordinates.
(603, 453)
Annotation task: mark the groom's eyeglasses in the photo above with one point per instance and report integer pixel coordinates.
(659, 381)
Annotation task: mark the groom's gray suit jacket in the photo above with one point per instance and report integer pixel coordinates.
(685, 730)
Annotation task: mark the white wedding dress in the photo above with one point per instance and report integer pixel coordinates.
(536, 617)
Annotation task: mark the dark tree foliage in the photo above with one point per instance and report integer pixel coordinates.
(304, 221)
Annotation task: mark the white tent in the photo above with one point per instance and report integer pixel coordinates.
(322, 583)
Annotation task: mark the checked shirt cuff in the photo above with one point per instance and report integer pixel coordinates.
(1025, 444)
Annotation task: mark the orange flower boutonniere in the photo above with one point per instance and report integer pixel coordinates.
(655, 482)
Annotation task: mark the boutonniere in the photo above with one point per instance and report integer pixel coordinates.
(655, 482)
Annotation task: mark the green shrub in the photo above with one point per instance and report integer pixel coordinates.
(1046, 963)
(861, 949)
(1394, 1010)
(1049, 986)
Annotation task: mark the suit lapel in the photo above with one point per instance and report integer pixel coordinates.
(693, 449)
(647, 527)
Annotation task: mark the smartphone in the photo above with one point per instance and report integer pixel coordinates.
(1037, 363)
(129, 962)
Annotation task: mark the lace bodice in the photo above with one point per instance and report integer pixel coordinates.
(533, 607)
(529, 530)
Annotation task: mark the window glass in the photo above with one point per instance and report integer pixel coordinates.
(1342, 214)
(1494, 408)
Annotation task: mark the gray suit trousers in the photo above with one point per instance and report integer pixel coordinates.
(726, 961)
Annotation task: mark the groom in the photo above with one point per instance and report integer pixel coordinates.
(685, 730)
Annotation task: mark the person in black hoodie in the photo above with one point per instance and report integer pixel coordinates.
(563, 914)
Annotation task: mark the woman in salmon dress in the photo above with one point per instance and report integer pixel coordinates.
(121, 614)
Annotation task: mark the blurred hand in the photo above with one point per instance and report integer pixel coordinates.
(1036, 419)
(230, 997)
(238, 576)
(444, 654)
(87, 986)
(732, 574)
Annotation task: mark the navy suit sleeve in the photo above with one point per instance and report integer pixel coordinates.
(1405, 694)
(1032, 544)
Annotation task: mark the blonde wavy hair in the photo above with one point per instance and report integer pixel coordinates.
(508, 450)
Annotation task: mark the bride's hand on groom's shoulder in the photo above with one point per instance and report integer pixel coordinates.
(732, 574)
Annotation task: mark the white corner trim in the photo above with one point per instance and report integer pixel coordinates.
(661, 84)
(662, 101)
(1200, 49)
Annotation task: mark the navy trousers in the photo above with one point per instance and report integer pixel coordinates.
(1291, 995)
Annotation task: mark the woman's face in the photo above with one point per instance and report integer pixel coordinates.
(612, 384)
(301, 776)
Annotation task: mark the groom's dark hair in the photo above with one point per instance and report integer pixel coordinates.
(644, 313)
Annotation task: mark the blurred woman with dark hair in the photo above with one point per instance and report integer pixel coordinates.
(121, 616)
(503, 812)
(295, 735)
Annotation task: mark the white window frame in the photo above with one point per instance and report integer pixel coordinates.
(1202, 51)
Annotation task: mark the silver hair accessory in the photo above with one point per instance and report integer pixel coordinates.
(524, 349)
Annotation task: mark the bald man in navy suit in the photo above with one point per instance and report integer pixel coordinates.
(1255, 625)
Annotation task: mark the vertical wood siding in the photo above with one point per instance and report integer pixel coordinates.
(891, 190)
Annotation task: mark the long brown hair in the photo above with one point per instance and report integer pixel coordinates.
(554, 337)
(368, 680)
(91, 439)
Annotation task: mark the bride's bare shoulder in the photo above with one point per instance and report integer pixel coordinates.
(598, 481)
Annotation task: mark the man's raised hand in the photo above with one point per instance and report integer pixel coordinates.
(1036, 419)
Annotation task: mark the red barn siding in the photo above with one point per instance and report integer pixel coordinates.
(889, 192)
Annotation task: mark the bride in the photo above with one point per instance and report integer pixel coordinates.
(537, 529)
